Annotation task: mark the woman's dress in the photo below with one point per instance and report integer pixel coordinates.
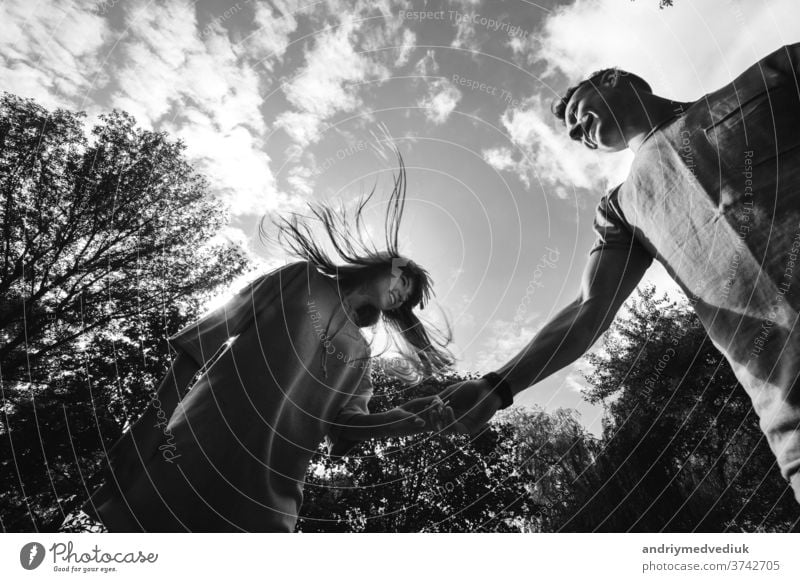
(234, 452)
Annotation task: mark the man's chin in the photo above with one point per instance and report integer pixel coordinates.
(610, 149)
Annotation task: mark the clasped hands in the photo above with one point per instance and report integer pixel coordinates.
(462, 408)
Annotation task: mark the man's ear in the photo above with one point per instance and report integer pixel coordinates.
(609, 78)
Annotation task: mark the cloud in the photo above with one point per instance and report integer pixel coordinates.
(441, 96)
(234, 163)
(684, 52)
(504, 339)
(407, 47)
(466, 36)
(162, 70)
(543, 153)
(500, 158)
(197, 88)
(275, 22)
(575, 382)
(440, 101)
(166, 65)
(383, 37)
(301, 178)
(465, 19)
(303, 127)
(52, 53)
(327, 84)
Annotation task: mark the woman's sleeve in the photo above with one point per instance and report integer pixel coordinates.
(356, 405)
(204, 338)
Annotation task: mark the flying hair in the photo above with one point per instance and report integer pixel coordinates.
(354, 259)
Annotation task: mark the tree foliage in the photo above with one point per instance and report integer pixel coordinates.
(501, 481)
(106, 249)
(681, 449)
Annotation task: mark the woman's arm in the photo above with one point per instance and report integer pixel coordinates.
(413, 417)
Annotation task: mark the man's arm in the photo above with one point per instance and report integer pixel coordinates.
(608, 279)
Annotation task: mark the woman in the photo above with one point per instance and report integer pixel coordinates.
(283, 366)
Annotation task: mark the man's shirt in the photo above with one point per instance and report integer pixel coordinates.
(714, 195)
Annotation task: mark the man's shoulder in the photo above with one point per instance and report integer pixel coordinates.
(778, 67)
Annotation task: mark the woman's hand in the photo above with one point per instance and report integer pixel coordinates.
(475, 404)
(413, 417)
(432, 410)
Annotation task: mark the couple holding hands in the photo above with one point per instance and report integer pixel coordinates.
(283, 366)
(278, 369)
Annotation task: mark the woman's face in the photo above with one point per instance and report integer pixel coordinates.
(393, 290)
(384, 293)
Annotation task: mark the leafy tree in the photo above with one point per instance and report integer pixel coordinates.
(554, 451)
(682, 449)
(447, 483)
(107, 248)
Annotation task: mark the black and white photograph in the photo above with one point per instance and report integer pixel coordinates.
(400, 267)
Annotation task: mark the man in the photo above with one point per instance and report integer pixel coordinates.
(714, 195)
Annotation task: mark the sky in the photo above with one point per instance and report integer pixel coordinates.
(285, 102)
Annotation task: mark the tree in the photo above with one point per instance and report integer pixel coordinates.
(445, 483)
(682, 449)
(107, 249)
(554, 451)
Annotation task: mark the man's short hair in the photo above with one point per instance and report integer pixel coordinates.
(559, 106)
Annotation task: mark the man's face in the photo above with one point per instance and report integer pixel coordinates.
(597, 115)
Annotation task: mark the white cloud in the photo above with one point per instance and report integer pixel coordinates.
(52, 53)
(198, 89)
(574, 381)
(321, 87)
(166, 65)
(234, 163)
(543, 152)
(684, 52)
(161, 70)
(303, 127)
(441, 96)
(384, 29)
(440, 101)
(301, 179)
(464, 17)
(427, 65)
(500, 158)
(504, 339)
(407, 47)
(324, 86)
(275, 25)
(466, 36)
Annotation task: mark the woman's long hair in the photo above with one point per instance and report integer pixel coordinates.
(422, 348)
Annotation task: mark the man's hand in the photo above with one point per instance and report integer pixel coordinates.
(432, 410)
(474, 405)
(415, 416)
